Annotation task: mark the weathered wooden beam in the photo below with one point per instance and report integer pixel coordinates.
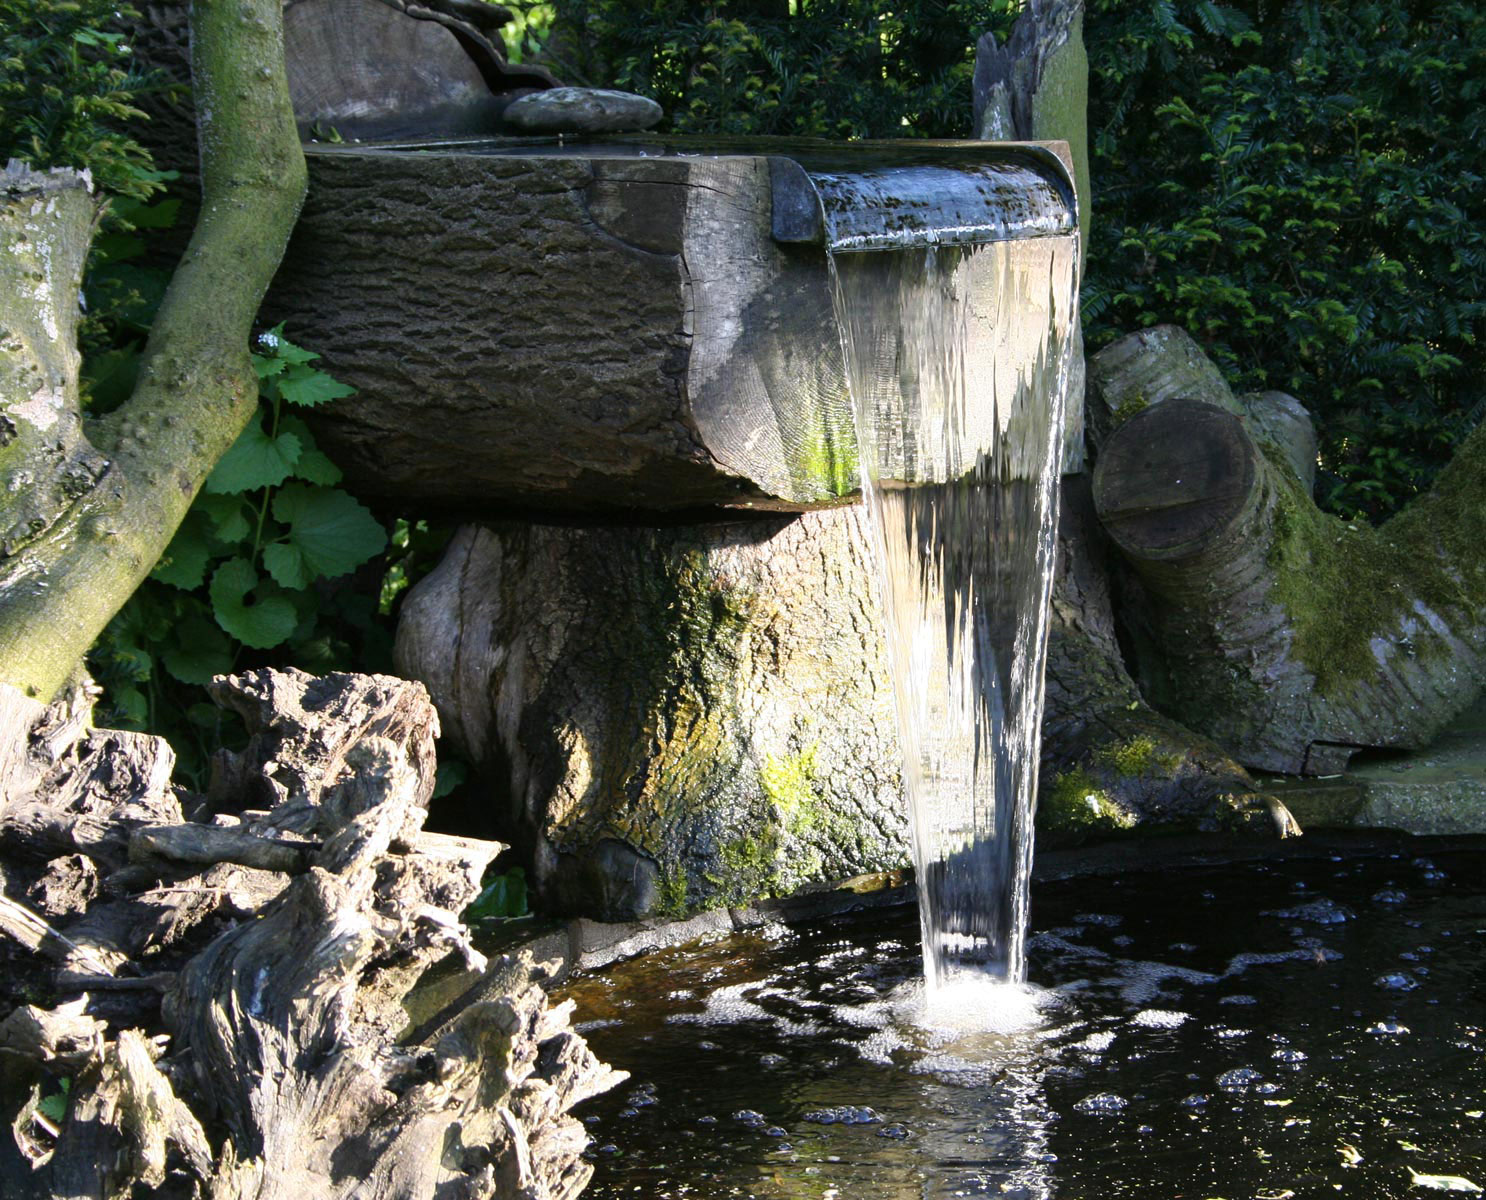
(609, 327)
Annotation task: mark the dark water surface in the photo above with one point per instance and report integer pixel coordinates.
(1305, 1029)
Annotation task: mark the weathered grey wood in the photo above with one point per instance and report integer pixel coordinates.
(1110, 762)
(669, 718)
(1287, 635)
(592, 329)
(300, 728)
(284, 1022)
(1036, 88)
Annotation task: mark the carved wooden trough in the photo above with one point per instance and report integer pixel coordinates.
(627, 324)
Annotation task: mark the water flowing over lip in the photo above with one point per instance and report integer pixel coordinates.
(890, 207)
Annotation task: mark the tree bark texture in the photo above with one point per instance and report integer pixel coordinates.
(239, 1035)
(86, 517)
(587, 331)
(671, 718)
(1111, 763)
(1287, 635)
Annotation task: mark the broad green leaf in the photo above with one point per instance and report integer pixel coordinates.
(333, 532)
(261, 623)
(228, 516)
(183, 564)
(286, 564)
(254, 461)
(306, 386)
(197, 651)
(313, 466)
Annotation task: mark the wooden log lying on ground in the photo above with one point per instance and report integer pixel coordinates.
(273, 1068)
(1289, 636)
(1110, 762)
(595, 329)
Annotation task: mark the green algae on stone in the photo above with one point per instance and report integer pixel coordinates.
(1345, 583)
(1075, 803)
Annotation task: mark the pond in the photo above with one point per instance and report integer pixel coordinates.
(1268, 1030)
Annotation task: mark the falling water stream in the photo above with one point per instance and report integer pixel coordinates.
(958, 358)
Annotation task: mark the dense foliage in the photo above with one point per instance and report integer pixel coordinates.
(1296, 182)
(66, 91)
(822, 68)
(1300, 185)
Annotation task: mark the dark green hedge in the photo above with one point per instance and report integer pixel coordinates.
(1299, 184)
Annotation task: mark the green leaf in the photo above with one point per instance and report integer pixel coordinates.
(54, 1107)
(254, 461)
(265, 621)
(313, 466)
(503, 897)
(228, 516)
(286, 564)
(198, 650)
(306, 386)
(183, 564)
(333, 532)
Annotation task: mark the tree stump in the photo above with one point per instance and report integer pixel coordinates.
(254, 968)
(669, 718)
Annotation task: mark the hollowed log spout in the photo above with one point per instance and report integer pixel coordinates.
(629, 325)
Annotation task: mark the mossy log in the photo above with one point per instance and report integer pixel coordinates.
(1289, 636)
(1111, 763)
(233, 1032)
(669, 719)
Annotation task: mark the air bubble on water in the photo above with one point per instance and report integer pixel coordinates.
(1102, 1104)
(771, 1060)
(844, 1114)
(1238, 1079)
(751, 1118)
(1317, 912)
(1160, 1018)
(1096, 1043)
(1289, 1054)
(1390, 1025)
(1195, 1100)
(897, 1132)
(1389, 896)
(1397, 981)
(1238, 998)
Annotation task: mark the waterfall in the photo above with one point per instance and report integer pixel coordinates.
(958, 352)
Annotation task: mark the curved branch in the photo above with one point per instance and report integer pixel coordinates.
(196, 388)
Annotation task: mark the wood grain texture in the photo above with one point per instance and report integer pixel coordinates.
(671, 718)
(568, 334)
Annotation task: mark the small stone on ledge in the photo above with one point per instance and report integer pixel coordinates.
(581, 110)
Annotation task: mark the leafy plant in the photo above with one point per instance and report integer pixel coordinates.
(260, 571)
(827, 68)
(67, 88)
(1300, 186)
(503, 897)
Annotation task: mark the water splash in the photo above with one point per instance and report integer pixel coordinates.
(958, 358)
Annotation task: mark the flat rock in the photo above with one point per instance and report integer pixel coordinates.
(581, 110)
(1439, 790)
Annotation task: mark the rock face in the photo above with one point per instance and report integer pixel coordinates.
(670, 718)
(582, 110)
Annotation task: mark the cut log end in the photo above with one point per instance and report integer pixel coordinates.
(1173, 478)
